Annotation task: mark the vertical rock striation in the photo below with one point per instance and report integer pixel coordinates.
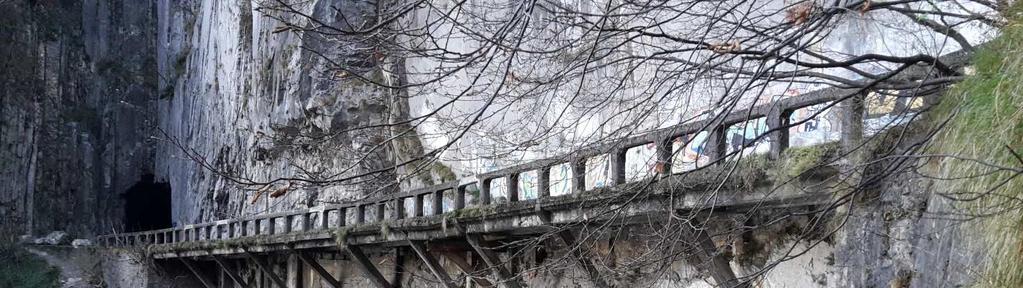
(252, 100)
(77, 111)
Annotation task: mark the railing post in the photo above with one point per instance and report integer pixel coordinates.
(271, 226)
(399, 208)
(578, 175)
(852, 123)
(460, 196)
(417, 209)
(512, 182)
(716, 147)
(381, 208)
(485, 191)
(342, 216)
(778, 121)
(325, 218)
(304, 225)
(617, 166)
(543, 180)
(438, 201)
(360, 213)
(663, 150)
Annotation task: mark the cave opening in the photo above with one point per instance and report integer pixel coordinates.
(147, 205)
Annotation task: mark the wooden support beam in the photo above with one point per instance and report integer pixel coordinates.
(494, 262)
(230, 272)
(367, 267)
(716, 264)
(318, 268)
(466, 268)
(582, 257)
(431, 263)
(579, 253)
(198, 275)
(266, 270)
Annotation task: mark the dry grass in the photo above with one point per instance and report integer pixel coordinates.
(987, 125)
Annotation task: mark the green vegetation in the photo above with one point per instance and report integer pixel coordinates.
(985, 111)
(22, 269)
(796, 161)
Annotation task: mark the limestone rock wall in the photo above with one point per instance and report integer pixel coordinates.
(247, 98)
(77, 107)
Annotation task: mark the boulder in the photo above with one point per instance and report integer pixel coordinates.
(79, 243)
(54, 238)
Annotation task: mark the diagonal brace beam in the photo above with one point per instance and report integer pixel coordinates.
(230, 272)
(265, 267)
(431, 263)
(488, 255)
(318, 268)
(366, 266)
(463, 265)
(716, 264)
(580, 254)
(198, 275)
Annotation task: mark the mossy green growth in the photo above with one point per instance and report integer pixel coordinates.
(796, 161)
(469, 212)
(986, 124)
(385, 229)
(22, 269)
(341, 236)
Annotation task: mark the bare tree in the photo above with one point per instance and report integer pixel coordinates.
(482, 84)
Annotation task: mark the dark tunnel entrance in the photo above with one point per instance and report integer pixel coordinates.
(147, 205)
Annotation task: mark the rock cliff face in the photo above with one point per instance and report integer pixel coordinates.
(258, 101)
(215, 98)
(77, 107)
